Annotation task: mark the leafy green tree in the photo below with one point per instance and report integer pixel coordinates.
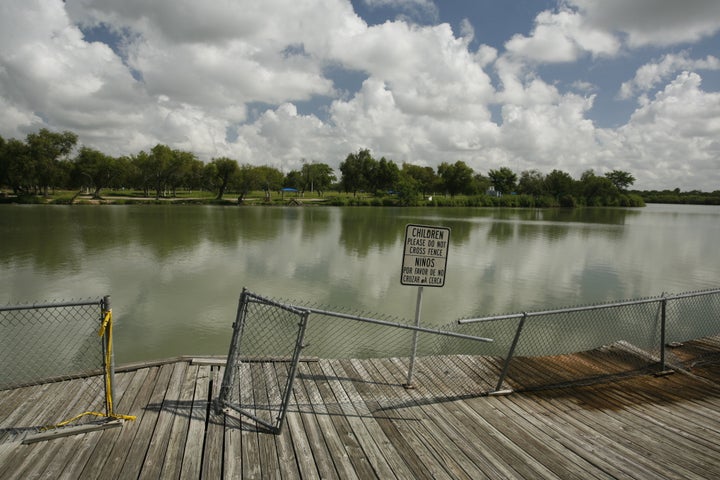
(503, 179)
(425, 178)
(358, 172)
(481, 183)
(294, 179)
(532, 182)
(194, 179)
(316, 176)
(159, 168)
(221, 173)
(597, 190)
(3, 162)
(456, 178)
(408, 189)
(559, 184)
(142, 171)
(96, 169)
(269, 178)
(387, 175)
(622, 180)
(180, 169)
(46, 150)
(19, 170)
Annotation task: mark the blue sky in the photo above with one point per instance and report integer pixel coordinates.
(567, 84)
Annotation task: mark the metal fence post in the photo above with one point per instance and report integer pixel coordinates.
(510, 354)
(108, 356)
(663, 326)
(231, 361)
(299, 345)
(413, 352)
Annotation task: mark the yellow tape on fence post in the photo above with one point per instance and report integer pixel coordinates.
(105, 329)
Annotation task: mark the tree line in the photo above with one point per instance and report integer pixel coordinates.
(411, 183)
(43, 161)
(48, 160)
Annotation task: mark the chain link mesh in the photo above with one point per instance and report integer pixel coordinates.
(262, 359)
(573, 345)
(50, 345)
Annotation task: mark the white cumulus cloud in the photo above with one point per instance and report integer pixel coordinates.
(267, 83)
(651, 74)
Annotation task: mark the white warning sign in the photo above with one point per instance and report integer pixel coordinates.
(425, 255)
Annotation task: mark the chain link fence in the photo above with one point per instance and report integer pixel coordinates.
(43, 348)
(267, 335)
(521, 351)
(271, 337)
(551, 348)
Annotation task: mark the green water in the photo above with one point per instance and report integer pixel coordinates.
(175, 272)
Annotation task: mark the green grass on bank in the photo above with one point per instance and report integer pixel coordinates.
(199, 197)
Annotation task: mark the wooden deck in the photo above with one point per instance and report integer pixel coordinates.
(353, 419)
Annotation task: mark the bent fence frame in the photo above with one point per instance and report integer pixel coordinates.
(239, 363)
(523, 317)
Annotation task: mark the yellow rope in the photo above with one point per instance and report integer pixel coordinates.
(105, 327)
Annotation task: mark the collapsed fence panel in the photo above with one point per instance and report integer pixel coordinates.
(268, 337)
(265, 333)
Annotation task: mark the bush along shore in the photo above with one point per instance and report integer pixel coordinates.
(341, 199)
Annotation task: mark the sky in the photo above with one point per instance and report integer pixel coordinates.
(571, 85)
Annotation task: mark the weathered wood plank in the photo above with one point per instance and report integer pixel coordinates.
(152, 463)
(406, 427)
(123, 443)
(506, 449)
(213, 452)
(192, 455)
(458, 414)
(642, 437)
(81, 448)
(353, 419)
(639, 466)
(368, 434)
(250, 443)
(577, 444)
(395, 425)
(106, 443)
(232, 453)
(340, 420)
(182, 408)
(544, 448)
(339, 456)
(268, 406)
(386, 447)
(145, 426)
(59, 398)
(441, 414)
(291, 460)
(305, 433)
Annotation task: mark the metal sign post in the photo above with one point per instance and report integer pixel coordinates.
(424, 262)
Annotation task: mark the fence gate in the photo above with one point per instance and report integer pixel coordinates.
(262, 360)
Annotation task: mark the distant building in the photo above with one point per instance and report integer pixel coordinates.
(492, 192)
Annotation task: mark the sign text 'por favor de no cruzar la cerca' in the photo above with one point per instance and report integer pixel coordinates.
(425, 255)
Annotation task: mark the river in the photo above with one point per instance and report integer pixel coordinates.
(175, 272)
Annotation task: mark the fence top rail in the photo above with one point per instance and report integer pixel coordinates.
(397, 325)
(37, 306)
(588, 307)
(346, 316)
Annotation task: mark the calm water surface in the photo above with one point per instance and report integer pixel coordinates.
(175, 272)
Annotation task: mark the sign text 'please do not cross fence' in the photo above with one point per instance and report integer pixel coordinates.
(425, 255)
